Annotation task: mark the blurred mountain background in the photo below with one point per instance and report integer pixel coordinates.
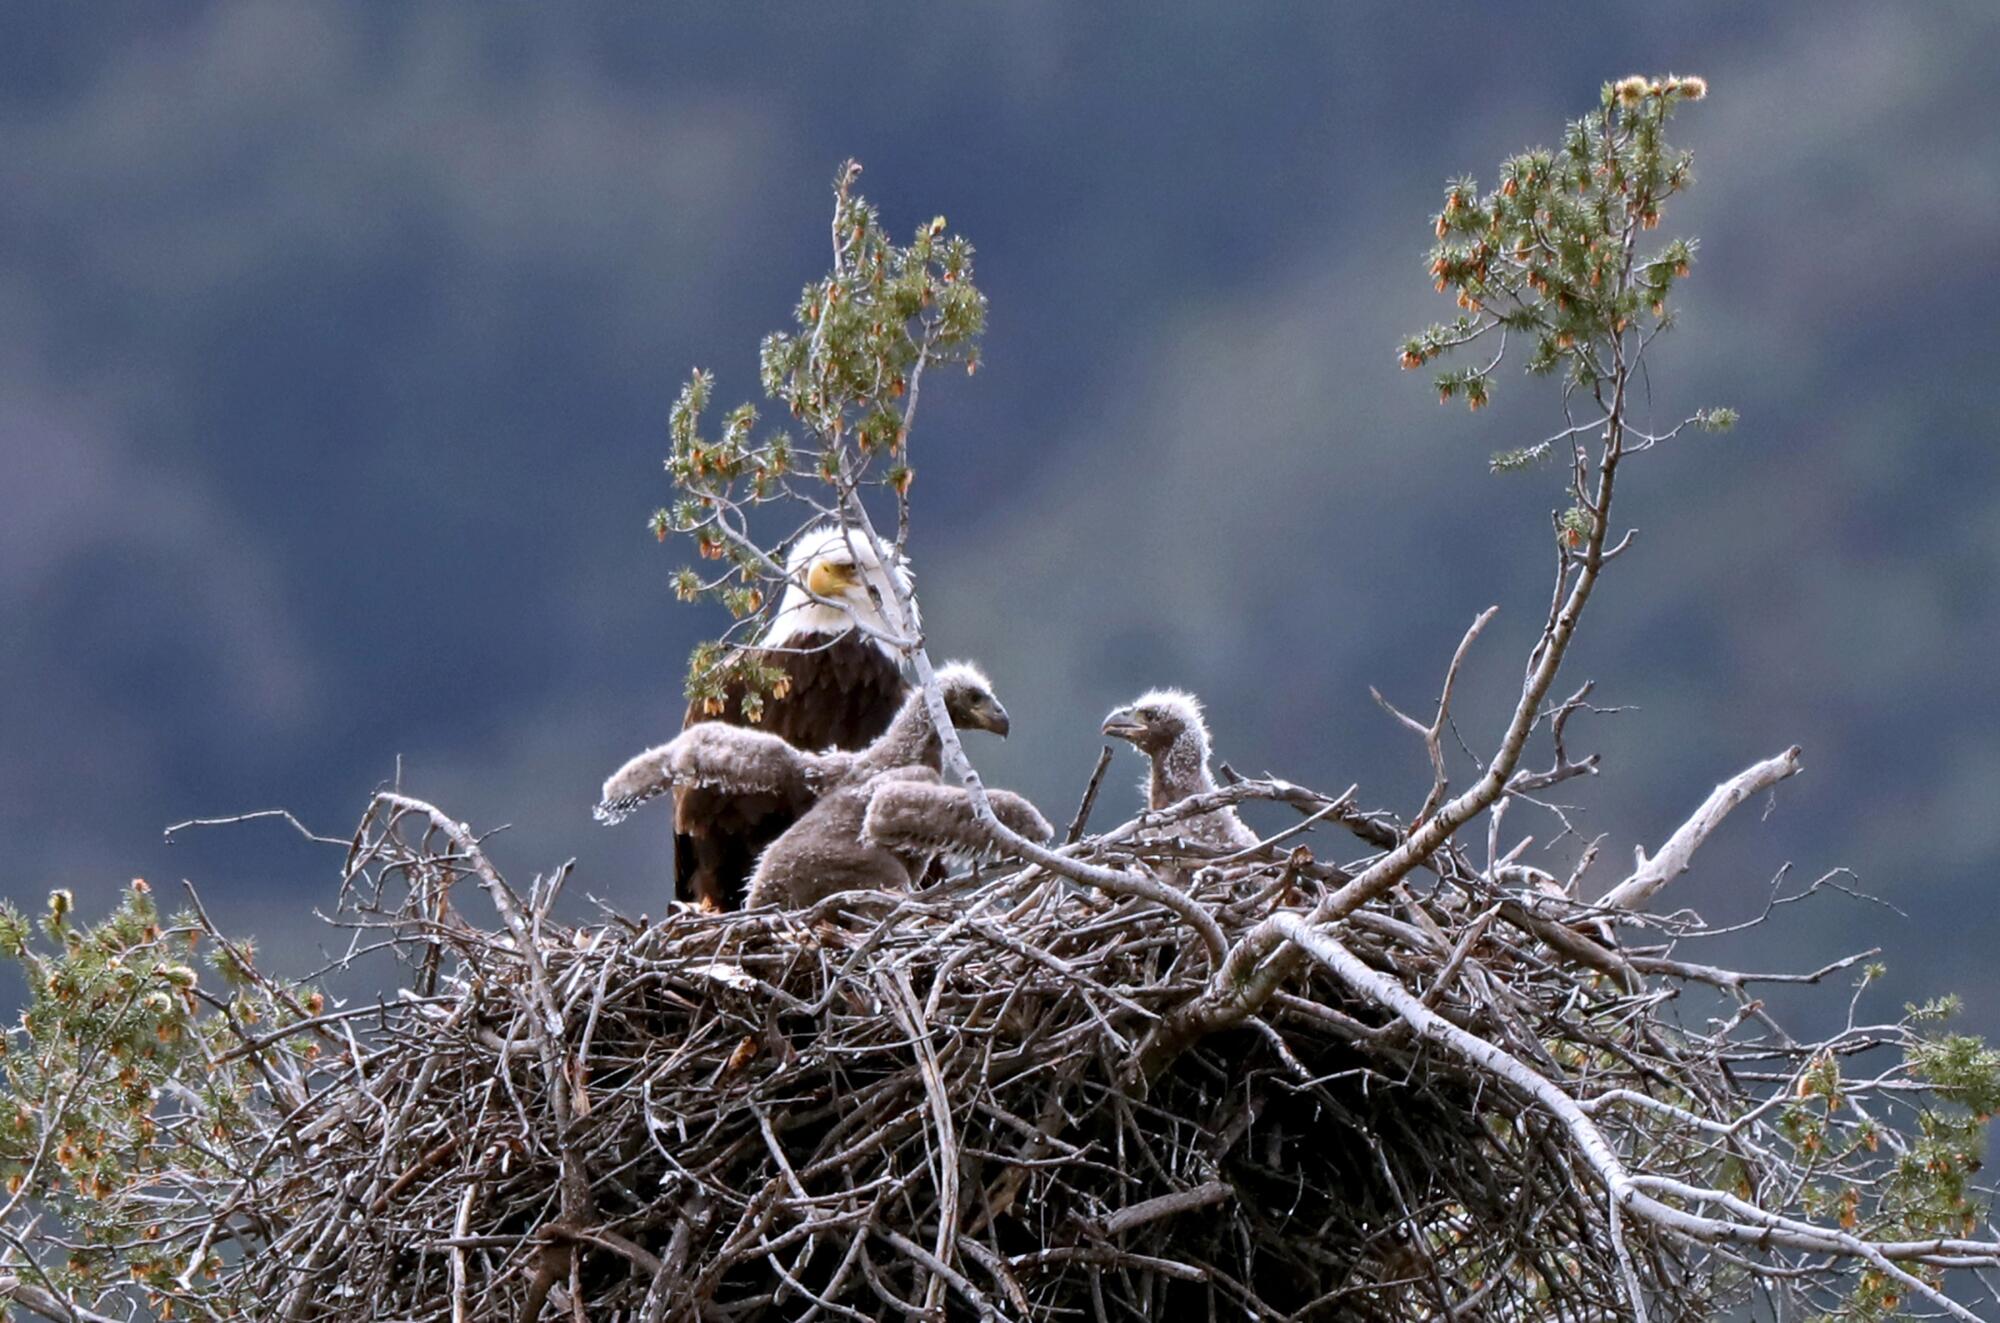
(336, 347)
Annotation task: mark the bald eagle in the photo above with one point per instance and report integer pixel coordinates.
(1166, 725)
(728, 761)
(841, 688)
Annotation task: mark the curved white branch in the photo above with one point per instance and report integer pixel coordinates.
(1623, 1188)
(1674, 857)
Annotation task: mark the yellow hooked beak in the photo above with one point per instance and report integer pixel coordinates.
(827, 579)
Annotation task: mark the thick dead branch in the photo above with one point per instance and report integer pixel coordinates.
(1756, 1227)
(1636, 891)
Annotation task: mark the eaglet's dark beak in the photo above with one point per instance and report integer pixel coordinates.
(1123, 725)
(993, 717)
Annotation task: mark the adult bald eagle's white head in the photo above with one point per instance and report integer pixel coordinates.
(837, 564)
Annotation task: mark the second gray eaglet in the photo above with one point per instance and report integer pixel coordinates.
(1166, 725)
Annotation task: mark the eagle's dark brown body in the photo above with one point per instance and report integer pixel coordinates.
(844, 690)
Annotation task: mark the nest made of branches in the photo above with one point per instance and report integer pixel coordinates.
(889, 1103)
(932, 1105)
(923, 1105)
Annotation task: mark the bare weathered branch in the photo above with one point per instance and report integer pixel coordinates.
(1674, 857)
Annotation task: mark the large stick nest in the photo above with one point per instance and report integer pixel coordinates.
(922, 1104)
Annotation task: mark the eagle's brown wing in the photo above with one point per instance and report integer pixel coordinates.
(842, 693)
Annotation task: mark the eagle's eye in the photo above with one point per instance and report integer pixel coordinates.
(1148, 714)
